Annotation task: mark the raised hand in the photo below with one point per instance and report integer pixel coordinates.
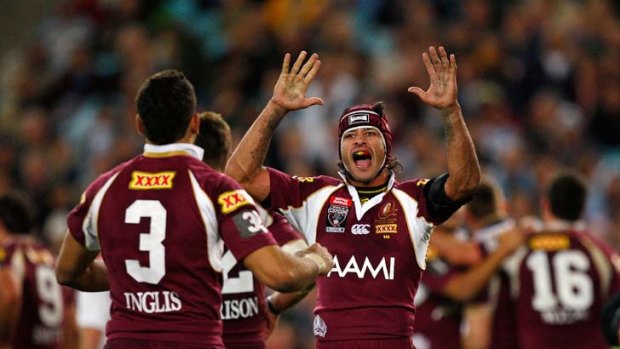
(290, 90)
(442, 92)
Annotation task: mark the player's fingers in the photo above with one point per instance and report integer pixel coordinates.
(443, 55)
(429, 66)
(416, 91)
(298, 62)
(453, 66)
(285, 64)
(435, 58)
(313, 71)
(308, 102)
(308, 65)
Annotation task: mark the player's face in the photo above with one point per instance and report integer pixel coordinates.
(363, 153)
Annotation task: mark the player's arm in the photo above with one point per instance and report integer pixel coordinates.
(455, 251)
(70, 332)
(284, 272)
(464, 286)
(278, 302)
(463, 166)
(477, 321)
(76, 267)
(10, 301)
(246, 162)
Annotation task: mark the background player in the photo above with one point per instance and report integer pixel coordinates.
(247, 316)
(563, 276)
(35, 311)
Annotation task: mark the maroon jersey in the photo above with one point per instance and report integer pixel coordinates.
(243, 305)
(42, 308)
(497, 293)
(560, 281)
(160, 221)
(379, 250)
(438, 319)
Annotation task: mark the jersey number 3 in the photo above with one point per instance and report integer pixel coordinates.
(151, 241)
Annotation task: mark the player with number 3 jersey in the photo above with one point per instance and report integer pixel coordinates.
(160, 221)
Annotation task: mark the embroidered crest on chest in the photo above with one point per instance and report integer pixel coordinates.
(337, 213)
(387, 218)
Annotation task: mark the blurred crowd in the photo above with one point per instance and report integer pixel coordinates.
(539, 85)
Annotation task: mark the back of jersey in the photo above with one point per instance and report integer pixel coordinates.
(156, 220)
(41, 314)
(562, 279)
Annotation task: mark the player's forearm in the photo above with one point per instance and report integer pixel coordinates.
(302, 273)
(476, 330)
(93, 279)
(463, 165)
(456, 252)
(279, 302)
(248, 157)
(466, 285)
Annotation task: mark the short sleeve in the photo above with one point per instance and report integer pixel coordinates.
(240, 223)
(439, 207)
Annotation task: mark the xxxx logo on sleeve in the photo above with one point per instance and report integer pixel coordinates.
(232, 200)
(150, 181)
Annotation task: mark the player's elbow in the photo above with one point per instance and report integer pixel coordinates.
(64, 277)
(238, 172)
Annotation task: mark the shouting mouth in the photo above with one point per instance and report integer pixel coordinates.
(362, 158)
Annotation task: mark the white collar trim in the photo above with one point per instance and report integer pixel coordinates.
(191, 149)
(361, 209)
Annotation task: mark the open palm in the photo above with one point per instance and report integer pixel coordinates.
(442, 92)
(290, 90)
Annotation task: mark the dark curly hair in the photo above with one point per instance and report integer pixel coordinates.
(166, 102)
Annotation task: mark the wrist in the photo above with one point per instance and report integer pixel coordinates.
(451, 111)
(276, 108)
(318, 260)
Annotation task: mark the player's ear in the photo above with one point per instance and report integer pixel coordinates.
(194, 124)
(139, 124)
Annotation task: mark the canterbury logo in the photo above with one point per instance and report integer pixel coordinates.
(148, 181)
(360, 229)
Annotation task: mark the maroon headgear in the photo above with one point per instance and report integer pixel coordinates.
(366, 115)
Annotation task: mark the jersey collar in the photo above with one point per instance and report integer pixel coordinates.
(152, 150)
(361, 209)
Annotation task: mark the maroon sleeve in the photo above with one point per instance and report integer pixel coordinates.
(287, 191)
(282, 230)
(77, 216)
(240, 224)
(433, 203)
